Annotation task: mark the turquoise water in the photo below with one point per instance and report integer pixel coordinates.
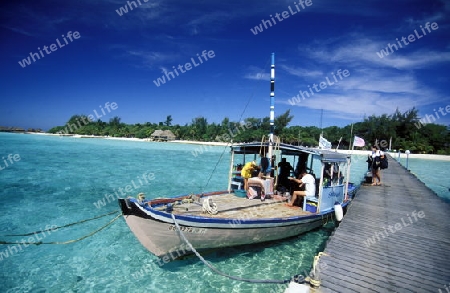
(56, 181)
(433, 173)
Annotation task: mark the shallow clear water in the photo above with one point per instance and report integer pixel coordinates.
(57, 181)
(433, 173)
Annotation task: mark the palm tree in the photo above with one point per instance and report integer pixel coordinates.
(168, 120)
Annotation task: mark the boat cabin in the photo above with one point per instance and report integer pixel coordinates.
(330, 169)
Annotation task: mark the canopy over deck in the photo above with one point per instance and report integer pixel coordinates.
(290, 150)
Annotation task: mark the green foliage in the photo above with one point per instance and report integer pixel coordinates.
(168, 120)
(404, 130)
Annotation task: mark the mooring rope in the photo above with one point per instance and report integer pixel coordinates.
(68, 241)
(297, 278)
(71, 224)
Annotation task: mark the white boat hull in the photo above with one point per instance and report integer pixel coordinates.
(162, 238)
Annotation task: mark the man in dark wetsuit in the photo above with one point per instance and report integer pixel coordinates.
(264, 167)
(284, 171)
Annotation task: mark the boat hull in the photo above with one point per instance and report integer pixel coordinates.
(162, 238)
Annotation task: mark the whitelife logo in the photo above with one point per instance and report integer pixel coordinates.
(36, 56)
(73, 127)
(10, 158)
(122, 10)
(284, 15)
(411, 38)
(188, 66)
(323, 85)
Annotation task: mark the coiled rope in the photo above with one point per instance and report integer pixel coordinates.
(71, 224)
(296, 278)
(209, 206)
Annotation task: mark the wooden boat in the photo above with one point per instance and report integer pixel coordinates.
(229, 218)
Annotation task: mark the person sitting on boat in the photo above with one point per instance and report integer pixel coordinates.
(257, 188)
(247, 171)
(327, 172)
(309, 183)
(331, 173)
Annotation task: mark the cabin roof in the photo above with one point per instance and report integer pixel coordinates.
(290, 150)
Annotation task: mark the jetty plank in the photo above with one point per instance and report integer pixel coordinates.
(394, 238)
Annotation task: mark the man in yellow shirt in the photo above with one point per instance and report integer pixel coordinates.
(246, 172)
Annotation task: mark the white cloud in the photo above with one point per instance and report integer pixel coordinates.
(152, 59)
(209, 22)
(301, 72)
(417, 60)
(255, 73)
(367, 91)
(355, 50)
(354, 105)
(257, 76)
(375, 85)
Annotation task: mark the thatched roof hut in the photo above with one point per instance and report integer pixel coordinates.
(162, 135)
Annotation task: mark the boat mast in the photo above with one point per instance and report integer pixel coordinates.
(272, 106)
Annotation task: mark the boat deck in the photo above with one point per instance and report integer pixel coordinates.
(232, 206)
(394, 238)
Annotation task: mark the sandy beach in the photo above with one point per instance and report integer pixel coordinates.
(90, 136)
(213, 143)
(216, 143)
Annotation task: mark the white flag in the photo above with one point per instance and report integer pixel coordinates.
(324, 143)
(359, 142)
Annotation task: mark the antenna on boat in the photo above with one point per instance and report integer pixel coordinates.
(272, 105)
(351, 138)
(321, 117)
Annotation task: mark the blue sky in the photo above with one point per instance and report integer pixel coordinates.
(117, 58)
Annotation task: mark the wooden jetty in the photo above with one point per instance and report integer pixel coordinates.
(394, 238)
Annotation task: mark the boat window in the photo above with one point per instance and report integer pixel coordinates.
(315, 166)
(333, 174)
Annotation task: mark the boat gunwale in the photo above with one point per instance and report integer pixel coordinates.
(164, 216)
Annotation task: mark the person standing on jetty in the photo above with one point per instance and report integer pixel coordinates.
(377, 156)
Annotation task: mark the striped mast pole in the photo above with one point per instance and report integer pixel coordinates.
(272, 106)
